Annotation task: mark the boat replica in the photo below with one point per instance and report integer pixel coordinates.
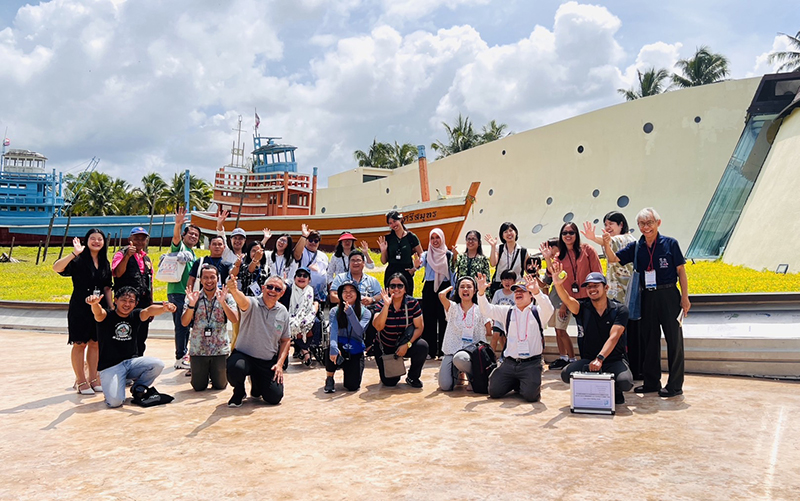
(270, 193)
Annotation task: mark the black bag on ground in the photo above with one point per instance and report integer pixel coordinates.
(148, 397)
(484, 362)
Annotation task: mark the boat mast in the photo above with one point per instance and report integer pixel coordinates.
(240, 152)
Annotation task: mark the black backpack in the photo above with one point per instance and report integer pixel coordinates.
(535, 312)
(483, 363)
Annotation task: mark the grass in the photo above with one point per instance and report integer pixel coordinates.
(25, 281)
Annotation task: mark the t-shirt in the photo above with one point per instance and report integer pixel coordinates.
(217, 262)
(664, 258)
(594, 330)
(400, 252)
(180, 287)
(210, 314)
(396, 321)
(463, 329)
(319, 278)
(116, 338)
(261, 329)
(500, 298)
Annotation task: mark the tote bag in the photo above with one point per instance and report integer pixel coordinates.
(169, 269)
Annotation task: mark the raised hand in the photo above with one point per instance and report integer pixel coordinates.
(483, 284)
(454, 251)
(490, 240)
(94, 299)
(221, 217)
(532, 284)
(132, 250)
(180, 216)
(544, 248)
(386, 297)
(259, 255)
(192, 296)
(555, 271)
(267, 234)
(382, 243)
(365, 247)
(417, 262)
(588, 231)
(77, 248)
(304, 230)
(222, 293)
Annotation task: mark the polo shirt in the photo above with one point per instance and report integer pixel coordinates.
(594, 330)
(396, 321)
(261, 329)
(666, 257)
(368, 286)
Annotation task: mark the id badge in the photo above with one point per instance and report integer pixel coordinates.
(255, 289)
(522, 349)
(650, 278)
(466, 340)
(207, 332)
(96, 292)
(398, 256)
(575, 288)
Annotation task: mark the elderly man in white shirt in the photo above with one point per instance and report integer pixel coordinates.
(521, 369)
(307, 254)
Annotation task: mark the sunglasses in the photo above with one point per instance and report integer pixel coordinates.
(302, 275)
(313, 240)
(567, 233)
(275, 288)
(396, 286)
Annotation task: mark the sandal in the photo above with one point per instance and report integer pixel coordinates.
(81, 390)
(96, 387)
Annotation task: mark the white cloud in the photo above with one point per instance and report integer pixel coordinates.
(762, 64)
(402, 10)
(659, 55)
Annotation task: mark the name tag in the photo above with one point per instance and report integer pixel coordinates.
(398, 256)
(522, 350)
(255, 289)
(466, 340)
(650, 278)
(207, 332)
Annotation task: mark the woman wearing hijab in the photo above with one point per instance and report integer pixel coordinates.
(438, 263)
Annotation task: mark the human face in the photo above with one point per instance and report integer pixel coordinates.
(301, 279)
(349, 294)
(522, 297)
(649, 227)
(281, 244)
(312, 243)
(273, 289)
(139, 241)
(472, 242)
(125, 304)
(436, 240)
(208, 280)
(254, 251)
(347, 245)
(395, 224)
(397, 289)
(95, 242)
(466, 290)
(217, 246)
(356, 264)
(507, 283)
(509, 235)
(568, 235)
(596, 291)
(237, 242)
(191, 237)
(612, 228)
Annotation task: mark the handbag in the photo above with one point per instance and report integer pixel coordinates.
(170, 270)
(394, 365)
(633, 295)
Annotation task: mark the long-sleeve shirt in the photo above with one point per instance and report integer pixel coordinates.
(302, 314)
(351, 338)
(523, 339)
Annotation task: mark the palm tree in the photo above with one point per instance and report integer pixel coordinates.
(151, 195)
(102, 195)
(649, 84)
(460, 137)
(200, 193)
(493, 131)
(377, 156)
(400, 155)
(704, 67)
(789, 58)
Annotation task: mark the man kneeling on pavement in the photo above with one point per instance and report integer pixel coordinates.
(117, 331)
(601, 327)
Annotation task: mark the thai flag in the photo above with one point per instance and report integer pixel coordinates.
(258, 122)
(6, 142)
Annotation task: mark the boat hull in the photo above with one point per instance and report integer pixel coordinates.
(31, 230)
(448, 214)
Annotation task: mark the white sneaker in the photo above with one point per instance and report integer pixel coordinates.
(183, 363)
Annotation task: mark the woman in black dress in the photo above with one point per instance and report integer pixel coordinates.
(398, 249)
(91, 273)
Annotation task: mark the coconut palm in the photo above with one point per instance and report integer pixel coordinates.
(650, 84)
(704, 67)
(151, 195)
(376, 156)
(493, 131)
(460, 137)
(399, 155)
(101, 195)
(200, 193)
(789, 58)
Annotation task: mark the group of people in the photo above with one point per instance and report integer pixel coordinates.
(276, 298)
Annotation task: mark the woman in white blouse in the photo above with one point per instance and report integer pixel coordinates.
(465, 326)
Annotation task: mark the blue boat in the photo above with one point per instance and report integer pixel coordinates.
(32, 199)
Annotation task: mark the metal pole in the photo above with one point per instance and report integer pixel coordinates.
(66, 232)
(38, 252)
(11, 250)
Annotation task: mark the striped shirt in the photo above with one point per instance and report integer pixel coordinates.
(396, 321)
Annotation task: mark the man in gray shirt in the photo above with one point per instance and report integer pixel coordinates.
(262, 345)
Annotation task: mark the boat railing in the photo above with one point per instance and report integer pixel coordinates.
(259, 182)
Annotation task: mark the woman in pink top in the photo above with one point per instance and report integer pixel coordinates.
(578, 260)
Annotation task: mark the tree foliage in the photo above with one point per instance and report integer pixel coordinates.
(790, 59)
(386, 155)
(462, 136)
(704, 67)
(650, 84)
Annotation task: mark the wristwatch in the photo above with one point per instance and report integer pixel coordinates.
(600, 357)
(409, 344)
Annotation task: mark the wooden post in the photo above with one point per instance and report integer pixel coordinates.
(11, 250)
(285, 205)
(47, 241)
(423, 174)
(38, 252)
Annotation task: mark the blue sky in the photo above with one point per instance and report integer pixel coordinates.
(157, 86)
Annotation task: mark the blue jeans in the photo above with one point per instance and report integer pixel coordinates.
(181, 332)
(143, 371)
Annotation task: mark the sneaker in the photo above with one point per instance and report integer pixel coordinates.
(236, 399)
(558, 363)
(414, 383)
(182, 363)
(329, 385)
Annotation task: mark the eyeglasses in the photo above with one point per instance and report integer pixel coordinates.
(396, 286)
(649, 222)
(275, 288)
(302, 275)
(313, 240)
(472, 240)
(567, 233)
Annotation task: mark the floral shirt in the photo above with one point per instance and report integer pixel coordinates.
(471, 266)
(463, 329)
(208, 314)
(619, 275)
(302, 313)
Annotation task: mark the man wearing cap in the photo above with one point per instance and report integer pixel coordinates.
(601, 330)
(368, 286)
(521, 369)
(137, 274)
(307, 254)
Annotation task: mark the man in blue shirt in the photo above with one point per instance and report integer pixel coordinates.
(660, 262)
(368, 286)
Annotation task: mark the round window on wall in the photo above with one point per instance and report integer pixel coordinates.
(648, 128)
(549, 200)
(387, 190)
(697, 120)
(537, 229)
(568, 217)
(480, 211)
(504, 152)
(580, 149)
(623, 201)
(491, 192)
(323, 210)
(596, 193)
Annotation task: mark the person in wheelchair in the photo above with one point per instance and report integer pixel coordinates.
(348, 322)
(302, 314)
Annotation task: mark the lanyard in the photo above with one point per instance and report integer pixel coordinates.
(346, 263)
(280, 268)
(516, 322)
(209, 309)
(574, 265)
(650, 266)
(513, 260)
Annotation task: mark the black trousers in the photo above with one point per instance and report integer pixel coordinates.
(418, 353)
(353, 368)
(623, 379)
(634, 335)
(241, 365)
(433, 317)
(660, 309)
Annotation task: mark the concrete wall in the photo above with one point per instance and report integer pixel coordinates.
(766, 234)
(674, 168)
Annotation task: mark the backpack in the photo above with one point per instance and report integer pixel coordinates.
(483, 361)
(535, 312)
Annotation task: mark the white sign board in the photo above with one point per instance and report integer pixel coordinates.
(592, 392)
